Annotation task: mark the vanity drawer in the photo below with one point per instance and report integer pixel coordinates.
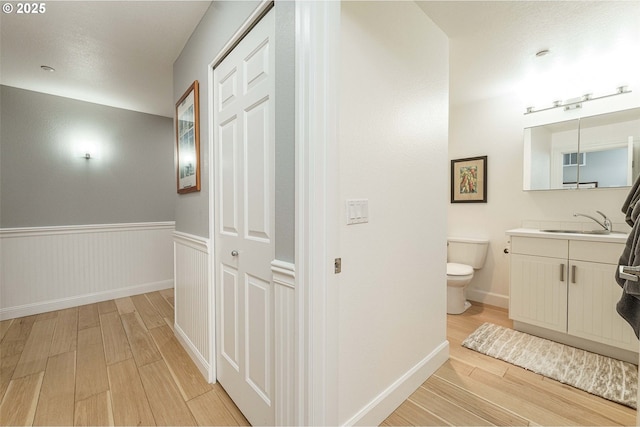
(555, 248)
(603, 252)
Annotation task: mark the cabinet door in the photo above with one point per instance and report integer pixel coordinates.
(538, 294)
(593, 295)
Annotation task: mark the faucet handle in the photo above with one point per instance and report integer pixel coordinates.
(607, 222)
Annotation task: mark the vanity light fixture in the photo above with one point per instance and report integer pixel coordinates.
(575, 103)
(47, 68)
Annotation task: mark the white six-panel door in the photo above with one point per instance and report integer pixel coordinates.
(244, 135)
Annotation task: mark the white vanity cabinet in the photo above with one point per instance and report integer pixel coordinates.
(538, 293)
(564, 288)
(594, 293)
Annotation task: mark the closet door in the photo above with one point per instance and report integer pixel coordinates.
(244, 123)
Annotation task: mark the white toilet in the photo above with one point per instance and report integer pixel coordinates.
(463, 256)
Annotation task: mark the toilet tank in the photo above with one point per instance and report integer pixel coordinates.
(466, 250)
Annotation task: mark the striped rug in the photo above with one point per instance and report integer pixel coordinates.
(603, 376)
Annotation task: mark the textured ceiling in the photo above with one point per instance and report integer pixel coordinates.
(114, 53)
(122, 53)
(594, 46)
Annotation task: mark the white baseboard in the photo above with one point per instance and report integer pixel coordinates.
(387, 401)
(490, 298)
(60, 304)
(201, 362)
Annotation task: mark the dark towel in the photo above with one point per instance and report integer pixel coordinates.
(630, 203)
(628, 306)
(631, 255)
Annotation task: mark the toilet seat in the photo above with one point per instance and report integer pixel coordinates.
(455, 269)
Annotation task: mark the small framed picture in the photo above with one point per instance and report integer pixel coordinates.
(469, 180)
(188, 140)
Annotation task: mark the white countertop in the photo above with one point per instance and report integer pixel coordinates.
(613, 237)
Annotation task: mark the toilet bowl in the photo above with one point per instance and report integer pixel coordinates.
(458, 277)
(464, 255)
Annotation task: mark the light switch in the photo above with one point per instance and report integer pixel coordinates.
(357, 211)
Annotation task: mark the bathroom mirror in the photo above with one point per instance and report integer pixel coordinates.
(591, 152)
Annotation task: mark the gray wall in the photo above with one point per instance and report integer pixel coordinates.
(44, 181)
(217, 26)
(285, 131)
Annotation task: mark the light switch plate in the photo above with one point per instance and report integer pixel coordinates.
(357, 211)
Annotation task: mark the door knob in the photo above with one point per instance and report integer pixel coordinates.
(234, 253)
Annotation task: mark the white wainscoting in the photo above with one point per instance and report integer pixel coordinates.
(284, 292)
(52, 268)
(193, 300)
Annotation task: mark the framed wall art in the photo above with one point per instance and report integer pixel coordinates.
(188, 140)
(469, 180)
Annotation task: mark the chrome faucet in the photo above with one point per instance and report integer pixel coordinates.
(606, 224)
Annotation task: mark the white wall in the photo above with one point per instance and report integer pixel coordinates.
(393, 151)
(494, 128)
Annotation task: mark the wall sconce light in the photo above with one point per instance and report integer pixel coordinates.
(575, 103)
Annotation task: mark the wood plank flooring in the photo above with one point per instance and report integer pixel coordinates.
(474, 389)
(111, 363)
(118, 363)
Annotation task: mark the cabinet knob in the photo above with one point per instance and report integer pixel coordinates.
(506, 250)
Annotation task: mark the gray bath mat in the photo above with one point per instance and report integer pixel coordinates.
(603, 376)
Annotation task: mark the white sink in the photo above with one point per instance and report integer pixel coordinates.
(579, 231)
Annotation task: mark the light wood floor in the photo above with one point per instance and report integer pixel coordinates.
(118, 363)
(474, 389)
(112, 363)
